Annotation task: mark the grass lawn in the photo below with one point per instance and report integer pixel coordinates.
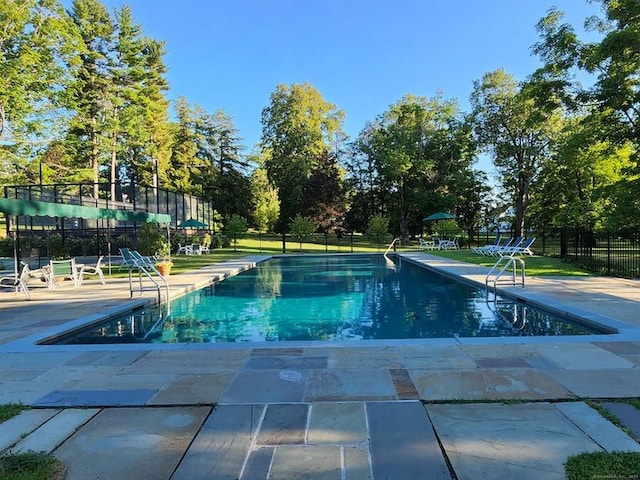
(253, 244)
(536, 265)
(603, 465)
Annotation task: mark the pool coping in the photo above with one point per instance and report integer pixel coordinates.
(625, 332)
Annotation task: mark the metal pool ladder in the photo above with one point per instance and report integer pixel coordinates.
(147, 271)
(505, 272)
(391, 245)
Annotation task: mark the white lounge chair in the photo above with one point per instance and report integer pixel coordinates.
(523, 248)
(505, 249)
(17, 283)
(481, 250)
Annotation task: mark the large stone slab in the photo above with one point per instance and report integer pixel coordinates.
(258, 464)
(628, 415)
(284, 424)
(263, 362)
(601, 430)
(493, 384)
(403, 444)
(222, 445)
(526, 441)
(607, 383)
(339, 423)
(189, 362)
(581, 356)
(192, 390)
(95, 398)
(437, 357)
(136, 443)
(14, 429)
(306, 463)
(266, 386)
(350, 384)
(55, 431)
(360, 357)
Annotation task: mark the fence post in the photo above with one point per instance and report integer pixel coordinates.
(284, 243)
(608, 252)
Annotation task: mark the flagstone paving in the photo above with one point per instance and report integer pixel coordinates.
(396, 410)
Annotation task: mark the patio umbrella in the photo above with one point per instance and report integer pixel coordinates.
(193, 223)
(438, 216)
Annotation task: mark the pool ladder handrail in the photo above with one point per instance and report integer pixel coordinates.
(148, 270)
(509, 261)
(391, 245)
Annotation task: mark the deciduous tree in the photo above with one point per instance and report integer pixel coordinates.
(298, 125)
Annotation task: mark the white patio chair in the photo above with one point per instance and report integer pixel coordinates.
(17, 283)
(92, 270)
(60, 270)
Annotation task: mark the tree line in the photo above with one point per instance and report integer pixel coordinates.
(83, 99)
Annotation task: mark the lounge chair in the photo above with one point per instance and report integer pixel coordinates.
(483, 249)
(143, 261)
(60, 270)
(506, 249)
(92, 270)
(523, 248)
(127, 259)
(17, 283)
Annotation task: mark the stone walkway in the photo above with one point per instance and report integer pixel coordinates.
(379, 410)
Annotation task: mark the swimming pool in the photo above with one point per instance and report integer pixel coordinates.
(329, 298)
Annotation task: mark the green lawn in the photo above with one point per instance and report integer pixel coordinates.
(536, 265)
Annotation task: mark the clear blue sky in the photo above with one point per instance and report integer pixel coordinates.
(361, 55)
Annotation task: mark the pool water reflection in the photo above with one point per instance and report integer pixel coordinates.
(331, 298)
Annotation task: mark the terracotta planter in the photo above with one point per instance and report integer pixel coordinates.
(164, 269)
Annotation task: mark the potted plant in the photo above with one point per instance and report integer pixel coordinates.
(164, 266)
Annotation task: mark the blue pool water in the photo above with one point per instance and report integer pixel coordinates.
(330, 298)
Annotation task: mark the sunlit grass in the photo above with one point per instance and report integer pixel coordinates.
(536, 265)
(603, 465)
(272, 245)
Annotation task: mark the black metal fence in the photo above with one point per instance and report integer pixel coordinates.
(133, 197)
(600, 251)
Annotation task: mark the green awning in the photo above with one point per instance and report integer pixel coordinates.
(16, 206)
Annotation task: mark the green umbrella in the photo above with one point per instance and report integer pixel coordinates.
(192, 223)
(438, 216)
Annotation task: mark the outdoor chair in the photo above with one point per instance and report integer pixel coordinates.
(143, 261)
(186, 249)
(451, 244)
(127, 259)
(483, 249)
(204, 246)
(60, 270)
(522, 248)
(92, 270)
(504, 250)
(17, 283)
(427, 244)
